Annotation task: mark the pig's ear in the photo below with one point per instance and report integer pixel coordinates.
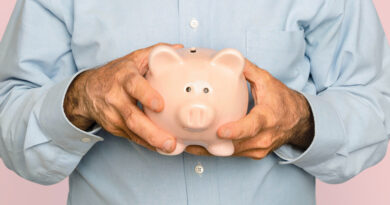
(230, 58)
(161, 57)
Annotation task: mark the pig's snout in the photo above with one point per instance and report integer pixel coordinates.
(196, 117)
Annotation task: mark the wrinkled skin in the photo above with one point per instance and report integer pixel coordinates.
(107, 95)
(280, 116)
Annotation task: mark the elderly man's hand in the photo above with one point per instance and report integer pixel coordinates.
(108, 96)
(280, 115)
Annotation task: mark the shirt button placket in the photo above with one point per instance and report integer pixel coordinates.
(190, 15)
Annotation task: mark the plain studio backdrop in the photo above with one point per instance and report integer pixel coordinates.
(370, 187)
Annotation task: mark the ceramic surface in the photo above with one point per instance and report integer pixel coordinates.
(202, 90)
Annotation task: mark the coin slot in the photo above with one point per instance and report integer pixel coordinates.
(193, 50)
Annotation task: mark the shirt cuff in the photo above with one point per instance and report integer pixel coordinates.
(328, 139)
(58, 128)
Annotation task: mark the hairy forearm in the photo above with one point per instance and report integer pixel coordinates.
(74, 108)
(304, 134)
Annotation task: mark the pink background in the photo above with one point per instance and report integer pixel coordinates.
(370, 187)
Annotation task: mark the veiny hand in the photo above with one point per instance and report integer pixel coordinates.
(280, 115)
(108, 96)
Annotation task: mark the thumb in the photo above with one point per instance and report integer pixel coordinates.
(253, 73)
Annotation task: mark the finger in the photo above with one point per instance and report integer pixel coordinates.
(197, 150)
(253, 73)
(247, 126)
(142, 126)
(114, 124)
(139, 88)
(255, 154)
(134, 138)
(264, 140)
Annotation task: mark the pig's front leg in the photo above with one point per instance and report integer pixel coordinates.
(221, 148)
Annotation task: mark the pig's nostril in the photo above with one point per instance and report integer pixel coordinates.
(188, 89)
(190, 118)
(206, 90)
(195, 117)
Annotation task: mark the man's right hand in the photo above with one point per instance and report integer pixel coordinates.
(108, 96)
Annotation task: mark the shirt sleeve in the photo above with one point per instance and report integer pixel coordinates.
(36, 139)
(350, 68)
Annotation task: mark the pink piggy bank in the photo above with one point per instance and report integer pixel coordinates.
(202, 90)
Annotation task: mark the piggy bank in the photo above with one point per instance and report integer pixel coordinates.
(202, 90)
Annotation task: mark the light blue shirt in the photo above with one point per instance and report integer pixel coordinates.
(333, 51)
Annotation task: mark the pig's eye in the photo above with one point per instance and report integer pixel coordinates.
(188, 89)
(206, 90)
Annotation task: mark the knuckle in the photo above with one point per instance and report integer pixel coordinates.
(128, 115)
(111, 98)
(265, 143)
(252, 129)
(258, 117)
(132, 77)
(120, 73)
(112, 121)
(118, 76)
(255, 125)
(111, 128)
(259, 155)
(116, 123)
(272, 119)
(132, 82)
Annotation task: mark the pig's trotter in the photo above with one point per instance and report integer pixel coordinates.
(223, 148)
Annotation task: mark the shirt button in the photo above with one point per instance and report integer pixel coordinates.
(86, 140)
(194, 23)
(199, 169)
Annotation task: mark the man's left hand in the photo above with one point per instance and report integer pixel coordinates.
(280, 115)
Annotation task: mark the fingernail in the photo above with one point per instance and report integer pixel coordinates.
(226, 133)
(155, 104)
(168, 146)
